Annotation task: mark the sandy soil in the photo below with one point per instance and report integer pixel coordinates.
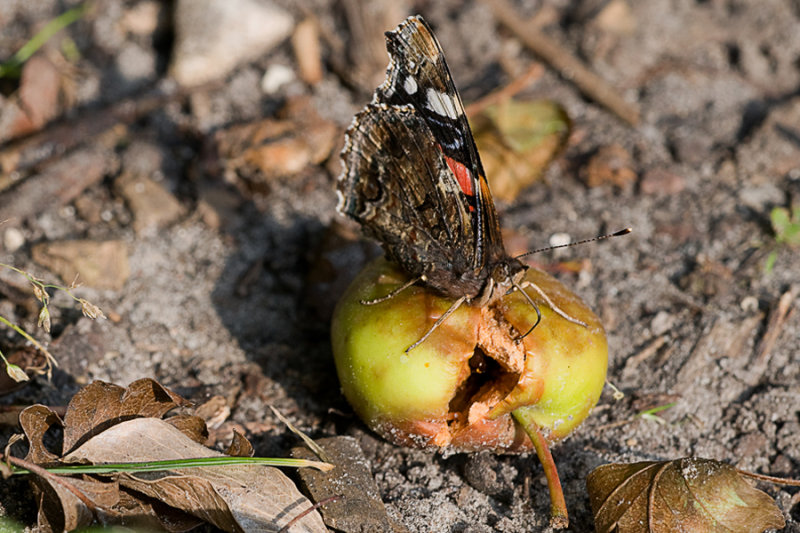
(220, 298)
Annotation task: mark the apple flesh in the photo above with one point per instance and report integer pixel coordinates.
(459, 388)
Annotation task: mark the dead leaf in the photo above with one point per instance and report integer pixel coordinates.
(106, 423)
(240, 446)
(233, 498)
(271, 148)
(35, 421)
(36, 103)
(192, 426)
(100, 405)
(517, 140)
(71, 512)
(689, 494)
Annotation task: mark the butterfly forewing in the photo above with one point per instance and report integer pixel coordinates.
(418, 75)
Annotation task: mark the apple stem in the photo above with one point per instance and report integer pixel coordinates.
(558, 506)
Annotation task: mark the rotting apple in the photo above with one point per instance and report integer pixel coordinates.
(472, 385)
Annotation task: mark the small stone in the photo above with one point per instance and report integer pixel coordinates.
(13, 239)
(760, 197)
(96, 264)
(153, 206)
(275, 77)
(662, 322)
(611, 165)
(135, 63)
(749, 304)
(617, 17)
(142, 18)
(213, 37)
(359, 506)
(560, 239)
(662, 182)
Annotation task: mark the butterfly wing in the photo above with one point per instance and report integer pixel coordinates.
(398, 185)
(418, 75)
(413, 178)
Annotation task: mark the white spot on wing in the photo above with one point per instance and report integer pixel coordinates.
(410, 85)
(441, 104)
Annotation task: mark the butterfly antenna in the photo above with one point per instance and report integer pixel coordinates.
(593, 239)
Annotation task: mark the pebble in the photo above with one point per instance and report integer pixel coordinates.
(213, 37)
(96, 264)
(13, 240)
(275, 77)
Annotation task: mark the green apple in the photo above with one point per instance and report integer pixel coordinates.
(459, 387)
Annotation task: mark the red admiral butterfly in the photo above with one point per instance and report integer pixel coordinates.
(414, 181)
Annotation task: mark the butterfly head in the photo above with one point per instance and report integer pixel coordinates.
(502, 278)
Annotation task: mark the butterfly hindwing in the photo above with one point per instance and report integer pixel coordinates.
(397, 185)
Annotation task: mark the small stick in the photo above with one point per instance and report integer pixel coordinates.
(774, 329)
(506, 92)
(299, 517)
(43, 473)
(565, 63)
(645, 353)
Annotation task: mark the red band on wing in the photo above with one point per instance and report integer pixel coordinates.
(462, 174)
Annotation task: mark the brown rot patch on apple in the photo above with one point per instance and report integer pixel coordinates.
(494, 370)
(459, 387)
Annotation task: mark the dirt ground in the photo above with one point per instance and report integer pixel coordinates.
(224, 296)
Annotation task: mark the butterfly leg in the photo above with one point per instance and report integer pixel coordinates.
(552, 305)
(450, 311)
(536, 307)
(392, 294)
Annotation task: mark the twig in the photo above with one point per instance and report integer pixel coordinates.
(512, 88)
(645, 353)
(565, 63)
(770, 479)
(774, 329)
(299, 517)
(316, 448)
(43, 473)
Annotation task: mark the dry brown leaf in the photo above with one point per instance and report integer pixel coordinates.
(71, 512)
(35, 421)
(271, 148)
(190, 425)
(233, 497)
(105, 423)
(611, 165)
(690, 494)
(240, 446)
(100, 405)
(517, 140)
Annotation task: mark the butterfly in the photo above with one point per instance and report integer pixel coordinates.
(414, 181)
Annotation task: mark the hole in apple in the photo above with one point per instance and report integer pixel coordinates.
(489, 381)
